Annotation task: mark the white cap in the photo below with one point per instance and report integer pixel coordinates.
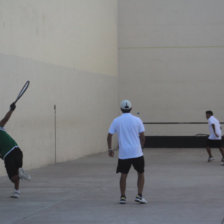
(125, 105)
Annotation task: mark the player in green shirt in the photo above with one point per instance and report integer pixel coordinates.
(12, 155)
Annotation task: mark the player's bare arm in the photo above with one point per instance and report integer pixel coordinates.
(8, 115)
(213, 126)
(142, 139)
(109, 144)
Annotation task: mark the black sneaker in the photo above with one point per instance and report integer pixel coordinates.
(122, 200)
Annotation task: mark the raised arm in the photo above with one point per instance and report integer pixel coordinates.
(8, 115)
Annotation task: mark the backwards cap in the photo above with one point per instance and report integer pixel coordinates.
(125, 105)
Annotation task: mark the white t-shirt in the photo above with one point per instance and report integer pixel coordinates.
(213, 120)
(128, 128)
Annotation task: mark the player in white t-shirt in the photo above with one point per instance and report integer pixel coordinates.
(130, 131)
(215, 136)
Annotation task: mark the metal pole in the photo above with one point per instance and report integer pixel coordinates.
(55, 135)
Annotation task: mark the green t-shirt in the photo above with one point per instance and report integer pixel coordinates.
(7, 143)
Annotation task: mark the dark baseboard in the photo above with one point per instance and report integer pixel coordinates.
(176, 141)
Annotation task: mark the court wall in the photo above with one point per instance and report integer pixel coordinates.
(171, 55)
(68, 50)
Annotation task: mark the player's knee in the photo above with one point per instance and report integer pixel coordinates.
(15, 178)
(141, 174)
(124, 175)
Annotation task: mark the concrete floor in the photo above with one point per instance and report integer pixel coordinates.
(180, 186)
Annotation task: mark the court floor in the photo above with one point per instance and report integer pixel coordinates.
(180, 186)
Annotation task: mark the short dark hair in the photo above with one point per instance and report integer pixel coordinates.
(209, 112)
(126, 111)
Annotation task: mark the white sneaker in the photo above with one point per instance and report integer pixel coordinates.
(210, 159)
(23, 175)
(15, 194)
(140, 200)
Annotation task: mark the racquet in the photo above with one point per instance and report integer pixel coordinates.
(22, 91)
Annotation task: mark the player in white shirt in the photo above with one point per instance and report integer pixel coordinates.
(130, 131)
(215, 136)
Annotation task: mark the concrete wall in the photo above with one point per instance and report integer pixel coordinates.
(171, 55)
(68, 50)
